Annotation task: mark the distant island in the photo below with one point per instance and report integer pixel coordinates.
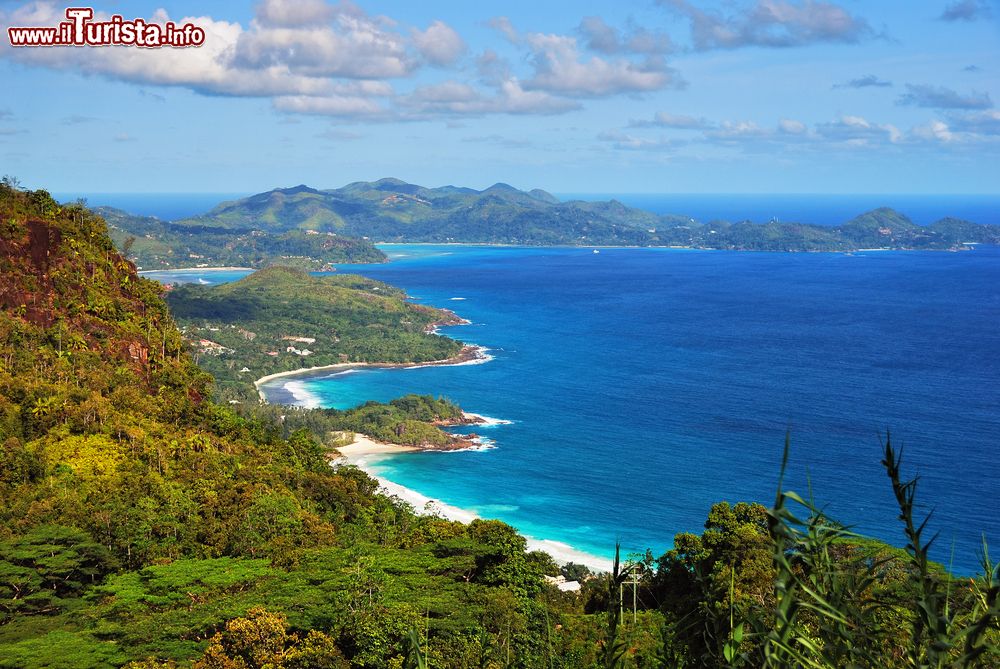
(313, 229)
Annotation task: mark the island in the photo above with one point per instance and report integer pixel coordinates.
(390, 210)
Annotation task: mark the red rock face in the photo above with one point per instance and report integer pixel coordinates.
(138, 353)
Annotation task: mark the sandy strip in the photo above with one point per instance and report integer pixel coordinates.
(480, 356)
(195, 269)
(363, 445)
(365, 452)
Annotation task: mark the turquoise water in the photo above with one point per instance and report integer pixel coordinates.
(643, 385)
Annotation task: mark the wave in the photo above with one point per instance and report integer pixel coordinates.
(482, 356)
(456, 299)
(429, 506)
(302, 395)
(487, 421)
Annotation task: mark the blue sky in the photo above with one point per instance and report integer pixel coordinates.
(673, 96)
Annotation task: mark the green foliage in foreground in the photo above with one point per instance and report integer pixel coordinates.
(336, 318)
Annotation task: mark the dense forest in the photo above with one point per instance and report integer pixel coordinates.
(142, 524)
(391, 210)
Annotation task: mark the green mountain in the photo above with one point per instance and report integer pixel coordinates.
(391, 210)
(155, 244)
(252, 323)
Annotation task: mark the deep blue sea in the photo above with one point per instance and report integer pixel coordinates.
(644, 385)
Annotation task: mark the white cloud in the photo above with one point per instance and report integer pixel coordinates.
(353, 45)
(858, 130)
(933, 131)
(439, 44)
(601, 37)
(558, 69)
(792, 127)
(771, 23)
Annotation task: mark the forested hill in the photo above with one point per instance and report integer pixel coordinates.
(391, 210)
(138, 518)
(155, 244)
(281, 319)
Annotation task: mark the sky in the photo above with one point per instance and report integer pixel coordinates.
(643, 96)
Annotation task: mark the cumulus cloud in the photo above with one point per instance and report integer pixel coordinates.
(601, 37)
(867, 81)
(966, 10)
(772, 23)
(317, 57)
(940, 97)
(353, 45)
(668, 120)
(560, 69)
(439, 44)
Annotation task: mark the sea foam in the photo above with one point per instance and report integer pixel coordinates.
(302, 395)
(429, 506)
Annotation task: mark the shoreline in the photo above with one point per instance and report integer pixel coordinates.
(196, 269)
(364, 452)
(470, 354)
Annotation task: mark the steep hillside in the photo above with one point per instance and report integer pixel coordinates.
(137, 517)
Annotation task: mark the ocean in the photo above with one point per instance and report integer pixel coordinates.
(644, 385)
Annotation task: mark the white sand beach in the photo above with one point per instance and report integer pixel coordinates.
(364, 452)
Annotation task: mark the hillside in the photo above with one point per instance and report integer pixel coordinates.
(143, 525)
(282, 319)
(137, 517)
(391, 210)
(154, 244)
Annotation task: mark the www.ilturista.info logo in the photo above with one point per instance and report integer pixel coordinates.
(82, 30)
